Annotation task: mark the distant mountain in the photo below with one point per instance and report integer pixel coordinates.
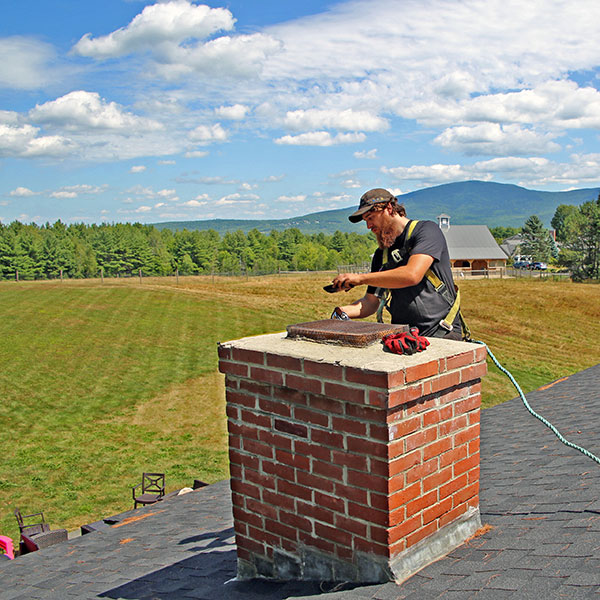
(467, 203)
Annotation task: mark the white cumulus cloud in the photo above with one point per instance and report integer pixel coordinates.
(342, 120)
(320, 138)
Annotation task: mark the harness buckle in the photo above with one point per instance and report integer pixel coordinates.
(445, 325)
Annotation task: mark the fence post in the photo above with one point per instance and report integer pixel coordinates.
(102, 274)
(177, 276)
(140, 272)
(17, 274)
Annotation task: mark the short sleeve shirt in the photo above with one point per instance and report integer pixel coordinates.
(420, 305)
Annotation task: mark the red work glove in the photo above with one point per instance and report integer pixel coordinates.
(405, 343)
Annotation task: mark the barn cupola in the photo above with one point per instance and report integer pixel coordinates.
(444, 222)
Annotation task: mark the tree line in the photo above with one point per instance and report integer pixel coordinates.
(124, 249)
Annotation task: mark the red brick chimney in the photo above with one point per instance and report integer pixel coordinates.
(350, 464)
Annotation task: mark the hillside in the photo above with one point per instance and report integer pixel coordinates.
(467, 202)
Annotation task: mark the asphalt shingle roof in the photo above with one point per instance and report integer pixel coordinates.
(540, 501)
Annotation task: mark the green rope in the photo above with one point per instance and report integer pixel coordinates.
(536, 415)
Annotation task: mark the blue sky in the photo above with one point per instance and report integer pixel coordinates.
(134, 110)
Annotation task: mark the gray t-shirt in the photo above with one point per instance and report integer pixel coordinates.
(421, 305)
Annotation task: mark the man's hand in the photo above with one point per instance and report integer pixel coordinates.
(346, 281)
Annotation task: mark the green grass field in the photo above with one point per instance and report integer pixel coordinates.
(100, 382)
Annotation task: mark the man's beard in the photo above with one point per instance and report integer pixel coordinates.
(386, 237)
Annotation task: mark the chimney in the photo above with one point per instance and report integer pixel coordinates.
(350, 463)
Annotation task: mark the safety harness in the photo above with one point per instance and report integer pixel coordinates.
(440, 287)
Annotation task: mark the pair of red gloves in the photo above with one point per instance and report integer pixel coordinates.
(405, 343)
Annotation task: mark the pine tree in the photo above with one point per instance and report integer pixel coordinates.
(537, 242)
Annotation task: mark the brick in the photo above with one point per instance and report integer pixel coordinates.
(376, 398)
(269, 539)
(256, 507)
(296, 521)
(366, 480)
(354, 461)
(371, 515)
(332, 502)
(291, 428)
(437, 448)
(421, 503)
(435, 416)
(291, 489)
(266, 375)
(435, 480)
(376, 467)
(403, 529)
(308, 449)
(452, 515)
(255, 388)
(474, 445)
(287, 363)
(250, 518)
(287, 395)
(305, 415)
(480, 353)
(247, 356)
(453, 486)
(349, 426)
(405, 395)
(378, 501)
(375, 379)
(421, 404)
(275, 408)
(363, 446)
(251, 417)
(467, 435)
(403, 428)
(303, 384)
(421, 534)
(404, 496)
(276, 440)
(293, 460)
(241, 399)
(437, 510)
(278, 528)
(250, 545)
(316, 542)
(323, 370)
(232, 412)
(466, 494)
(350, 525)
(245, 489)
(316, 512)
(464, 406)
(278, 500)
(239, 458)
(473, 372)
(276, 469)
(254, 447)
(314, 482)
(242, 430)
(326, 469)
(453, 456)
(456, 424)
(344, 392)
(397, 516)
(420, 439)
(474, 417)
(233, 368)
(423, 470)
(422, 371)
(364, 413)
(404, 462)
(459, 360)
(466, 465)
(327, 438)
(338, 536)
(445, 381)
(260, 479)
(328, 405)
(378, 432)
(351, 494)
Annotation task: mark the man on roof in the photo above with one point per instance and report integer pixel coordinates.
(410, 271)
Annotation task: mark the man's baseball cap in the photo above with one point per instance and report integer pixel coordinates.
(368, 201)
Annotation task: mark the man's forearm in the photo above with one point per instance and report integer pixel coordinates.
(361, 308)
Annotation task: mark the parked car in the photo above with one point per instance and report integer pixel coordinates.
(522, 264)
(539, 266)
